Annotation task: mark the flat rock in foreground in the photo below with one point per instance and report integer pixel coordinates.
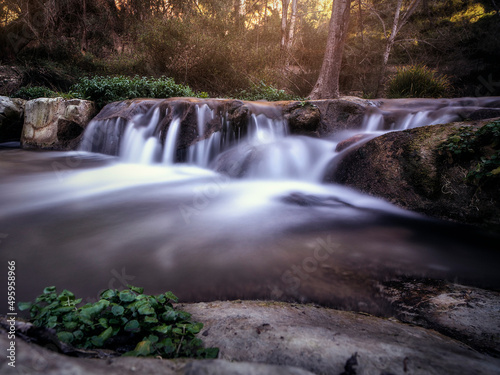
(323, 340)
(280, 338)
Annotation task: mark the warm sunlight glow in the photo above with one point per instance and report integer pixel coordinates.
(473, 14)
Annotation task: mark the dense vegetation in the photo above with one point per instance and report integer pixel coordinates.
(127, 321)
(225, 47)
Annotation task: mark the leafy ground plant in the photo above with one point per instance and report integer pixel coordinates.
(480, 147)
(127, 321)
(105, 90)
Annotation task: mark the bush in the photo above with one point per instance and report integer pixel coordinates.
(121, 320)
(34, 92)
(265, 92)
(418, 81)
(104, 90)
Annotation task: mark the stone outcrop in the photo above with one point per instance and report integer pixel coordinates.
(463, 312)
(408, 169)
(258, 337)
(11, 118)
(55, 123)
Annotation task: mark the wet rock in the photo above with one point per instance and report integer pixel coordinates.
(462, 312)
(55, 123)
(325, 341)
(351, 141)
(408, 169)
(341, 114)
(303, 118)
(280, 338)
(11, 119)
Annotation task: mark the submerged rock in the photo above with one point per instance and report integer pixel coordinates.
(11, 118)
(409, 169)
(55, 123)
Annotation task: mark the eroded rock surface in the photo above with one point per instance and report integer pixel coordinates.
(323, 340)
(55, 123)
(469, 314)
(279, 338)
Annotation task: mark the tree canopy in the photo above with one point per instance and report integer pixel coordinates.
(221, 46)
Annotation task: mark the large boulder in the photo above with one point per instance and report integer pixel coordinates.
(11, 118)
(55, 123)
(408, 168)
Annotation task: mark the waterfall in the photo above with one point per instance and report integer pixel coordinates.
(260, 146)
(171, 141)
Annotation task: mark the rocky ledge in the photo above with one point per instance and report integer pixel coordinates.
(411, 169)
(259, 337)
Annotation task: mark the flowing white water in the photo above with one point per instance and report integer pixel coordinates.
(148, 217)
(263, 148)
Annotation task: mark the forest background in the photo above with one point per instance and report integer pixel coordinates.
(224, 46)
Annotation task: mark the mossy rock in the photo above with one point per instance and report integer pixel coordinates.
(411, 169)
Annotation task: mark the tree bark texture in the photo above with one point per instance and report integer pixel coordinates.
(327, 85)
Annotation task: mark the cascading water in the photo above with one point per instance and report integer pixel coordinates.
(261, 149)
(166, 213)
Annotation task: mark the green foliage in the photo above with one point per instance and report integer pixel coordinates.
(34, 92)
(104, 90)
(482, 145)
(461, 143)
(121, 320)
(418, 81)
(265, 92)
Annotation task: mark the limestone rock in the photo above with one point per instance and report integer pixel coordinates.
(11, 118)
(407, 168)
(55, 123)
(32, 359)
(463, 312)
(259, 337)
(322, 340)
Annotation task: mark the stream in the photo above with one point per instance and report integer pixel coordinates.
(236, 216)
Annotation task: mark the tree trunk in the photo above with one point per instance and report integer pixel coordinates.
(398, 23)
(284, 21)
(388, 46)
(327, 85)
(293, 19)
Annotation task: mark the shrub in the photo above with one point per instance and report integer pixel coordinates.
(418, 81)
(121, 320)
(265, 92)
(34, 92)
(104, 90)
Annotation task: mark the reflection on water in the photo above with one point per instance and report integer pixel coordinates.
(86, 222)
